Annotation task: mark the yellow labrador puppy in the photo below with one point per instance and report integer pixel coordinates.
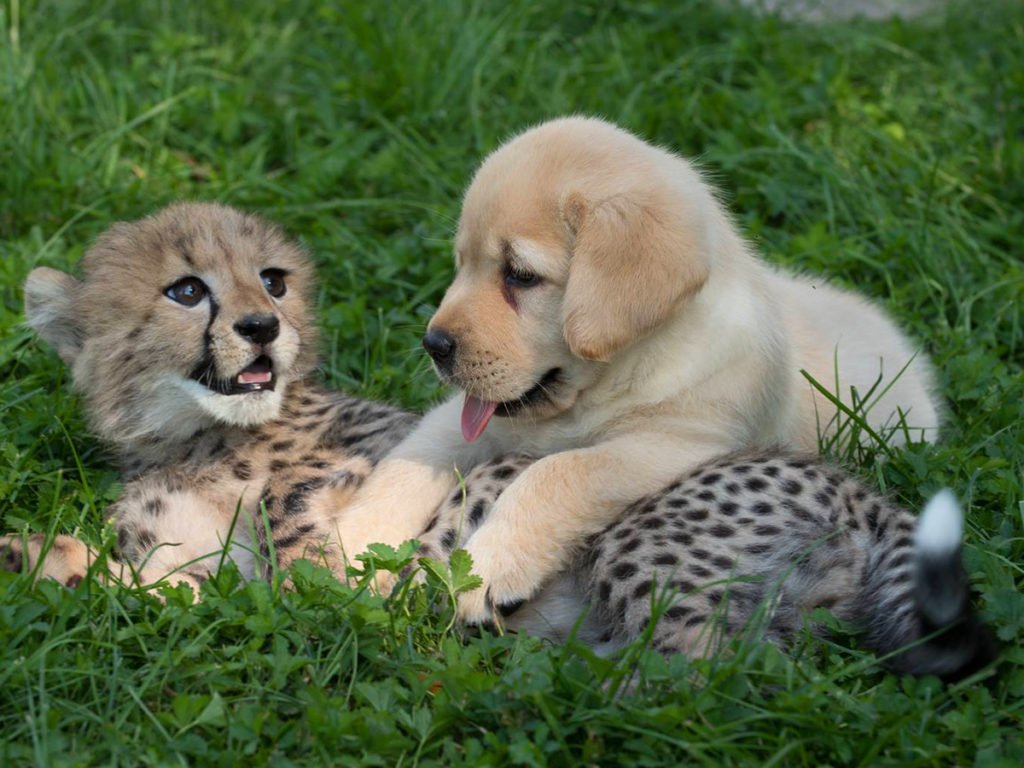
(607, 317)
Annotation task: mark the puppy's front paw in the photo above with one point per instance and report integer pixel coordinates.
(67, 560)
(474, 609)
(485, 607)
(509, 579)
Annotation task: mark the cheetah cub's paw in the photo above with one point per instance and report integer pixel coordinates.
(67, 559)
(383, 583)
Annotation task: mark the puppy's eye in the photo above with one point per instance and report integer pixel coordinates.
(520, 278)
(188, 291)
(273, 281)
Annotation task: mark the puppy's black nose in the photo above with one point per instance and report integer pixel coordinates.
(440, 346)
(259, 329)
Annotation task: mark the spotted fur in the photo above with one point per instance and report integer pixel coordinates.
(268, 468)
(747, 544)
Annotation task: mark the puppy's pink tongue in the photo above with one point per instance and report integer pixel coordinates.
(475, 415)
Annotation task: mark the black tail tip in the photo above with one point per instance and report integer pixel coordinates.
(953, 641)
(956, 651)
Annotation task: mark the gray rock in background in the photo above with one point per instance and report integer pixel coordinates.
(821, 10)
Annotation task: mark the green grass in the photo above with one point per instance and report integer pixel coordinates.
(887, 155)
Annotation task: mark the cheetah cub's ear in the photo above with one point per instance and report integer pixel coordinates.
(50, 310)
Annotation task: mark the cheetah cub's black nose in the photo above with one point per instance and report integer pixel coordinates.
(440, 346)
(259, 329)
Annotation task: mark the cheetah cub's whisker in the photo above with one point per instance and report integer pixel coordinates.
(752, 544)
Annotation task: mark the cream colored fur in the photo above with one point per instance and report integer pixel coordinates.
(674, 344)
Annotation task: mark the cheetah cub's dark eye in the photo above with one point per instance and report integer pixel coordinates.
(188, 291)
(273, 281)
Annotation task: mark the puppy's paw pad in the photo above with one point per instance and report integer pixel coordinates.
(479, 630)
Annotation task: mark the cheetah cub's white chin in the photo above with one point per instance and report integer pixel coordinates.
(183, 406)
(249, 410)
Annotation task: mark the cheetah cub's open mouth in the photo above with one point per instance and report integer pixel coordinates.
(256, 376)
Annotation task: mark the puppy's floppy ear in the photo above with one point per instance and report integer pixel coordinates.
(636, 259)
(50, 310)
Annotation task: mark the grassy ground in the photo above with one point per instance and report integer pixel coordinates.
(887, 155)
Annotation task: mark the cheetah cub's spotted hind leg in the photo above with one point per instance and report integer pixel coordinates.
(776, 537)
(67, 559)
(752, 544)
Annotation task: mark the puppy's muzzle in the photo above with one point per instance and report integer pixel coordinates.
(440, 345)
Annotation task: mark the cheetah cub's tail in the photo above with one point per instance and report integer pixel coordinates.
(945, 636)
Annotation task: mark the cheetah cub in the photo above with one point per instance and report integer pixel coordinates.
(752, 543)
(191, 339)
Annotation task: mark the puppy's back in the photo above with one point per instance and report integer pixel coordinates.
(828, 325)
